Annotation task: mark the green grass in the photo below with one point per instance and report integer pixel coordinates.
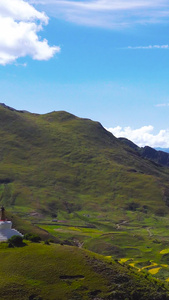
(63, 272)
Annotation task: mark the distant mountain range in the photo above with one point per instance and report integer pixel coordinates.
(157, 155)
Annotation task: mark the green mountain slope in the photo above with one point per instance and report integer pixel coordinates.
(43, 272)
(67, 177)
(58, 162)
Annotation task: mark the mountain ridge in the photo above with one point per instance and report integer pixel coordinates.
(158, 156)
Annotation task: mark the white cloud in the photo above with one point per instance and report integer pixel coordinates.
(107, 13)
(20, 23)
(150, 47)
(162, 105)
(143, 136)
(21, 65)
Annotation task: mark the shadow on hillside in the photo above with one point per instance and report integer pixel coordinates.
(10, 245)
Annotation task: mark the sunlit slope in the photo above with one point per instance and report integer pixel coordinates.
(61, 162)
(50, 272)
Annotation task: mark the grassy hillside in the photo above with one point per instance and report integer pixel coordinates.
(41, 272)
(104, 196)
(58, 162)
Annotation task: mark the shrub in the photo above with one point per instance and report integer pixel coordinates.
(51, 240)
(10, 245)
(32, 237)
(15, 240)
(46, 242)
(161, 212)
(133, 206)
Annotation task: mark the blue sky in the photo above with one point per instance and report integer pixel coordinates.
(106, 60)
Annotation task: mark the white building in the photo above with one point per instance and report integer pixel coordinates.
(6, 230)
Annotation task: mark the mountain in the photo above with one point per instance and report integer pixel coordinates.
(157, 155)
(68, 178)
(59, 162)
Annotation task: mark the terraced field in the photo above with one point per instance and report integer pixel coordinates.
(145, 248)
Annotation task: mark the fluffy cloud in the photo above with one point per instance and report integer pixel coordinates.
(143, 136)
(20, 22)
(107, 13)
